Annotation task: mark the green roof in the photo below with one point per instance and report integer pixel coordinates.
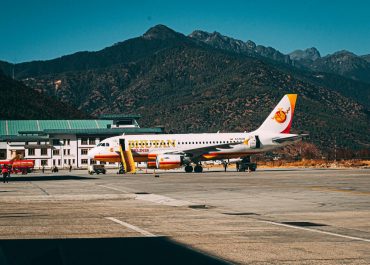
(22, 138)
(115, 131)
(13, 127)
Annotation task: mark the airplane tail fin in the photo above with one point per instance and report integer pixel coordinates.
(280, 119)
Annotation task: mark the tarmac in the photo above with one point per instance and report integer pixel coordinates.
(271, 216)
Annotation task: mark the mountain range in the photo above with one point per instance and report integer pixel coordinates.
(21, 102)
(209, 82)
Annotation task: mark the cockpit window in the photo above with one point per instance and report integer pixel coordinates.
(107, 144)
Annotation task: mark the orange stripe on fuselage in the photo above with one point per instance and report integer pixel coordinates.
(151, 157)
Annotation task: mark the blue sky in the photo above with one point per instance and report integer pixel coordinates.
(46, 29)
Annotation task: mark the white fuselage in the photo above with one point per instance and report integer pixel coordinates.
(226, 145)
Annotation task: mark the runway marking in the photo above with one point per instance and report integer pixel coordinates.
(125, 190)
(317, 231)
(43, 190)
(132, 227)
(156, 198)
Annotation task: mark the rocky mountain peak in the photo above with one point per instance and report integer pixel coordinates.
(161, 32)
(366, 57)
(344, 53)
(308, 54)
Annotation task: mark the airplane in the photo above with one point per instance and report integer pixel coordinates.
(170, 151)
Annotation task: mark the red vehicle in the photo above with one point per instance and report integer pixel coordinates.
(19, 166)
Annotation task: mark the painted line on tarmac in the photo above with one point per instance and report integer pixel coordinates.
(125, 190)
(155, 198)
(164, 200)
(317, 231)
(132, 227)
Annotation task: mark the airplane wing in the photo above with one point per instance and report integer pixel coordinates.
(198, 152)
(293, 138)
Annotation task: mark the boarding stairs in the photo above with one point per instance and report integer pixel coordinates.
(127, 160)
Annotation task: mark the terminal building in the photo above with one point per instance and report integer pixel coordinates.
(62, 143)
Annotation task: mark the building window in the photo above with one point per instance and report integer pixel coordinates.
(84, 151)
(83, 161)
(56, 152)
(2, 153)
(44, 151)
(31, 151)
(84, 141)
(92, 162)
(92, 141)
(59, 162)
(56, 142)
(44, 162)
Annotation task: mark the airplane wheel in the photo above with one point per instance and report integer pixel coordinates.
(188, 169)
(198, 169)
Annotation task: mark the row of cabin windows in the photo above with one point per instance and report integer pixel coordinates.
(210, 142)
(183, 143)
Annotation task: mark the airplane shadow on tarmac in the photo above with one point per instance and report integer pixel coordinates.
(94, 251)
(46, 177)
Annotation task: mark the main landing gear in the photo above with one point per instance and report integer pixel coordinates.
(246, 164)
(197, 169)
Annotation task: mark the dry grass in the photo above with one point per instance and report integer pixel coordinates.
(308, 163)
(311, 163)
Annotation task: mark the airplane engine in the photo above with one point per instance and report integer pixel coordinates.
(169, 161)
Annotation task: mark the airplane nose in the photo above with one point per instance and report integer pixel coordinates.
(91, 153)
